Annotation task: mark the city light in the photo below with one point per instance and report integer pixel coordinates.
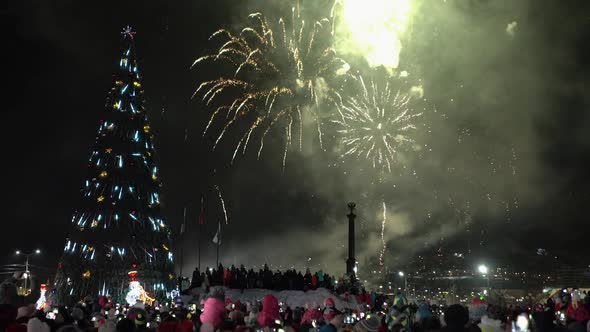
(483, 269)
(400, 273)
(18, 252)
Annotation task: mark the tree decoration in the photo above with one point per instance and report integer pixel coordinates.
(107, 239)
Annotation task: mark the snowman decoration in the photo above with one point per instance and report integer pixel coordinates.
(42, 301)
(135, 290)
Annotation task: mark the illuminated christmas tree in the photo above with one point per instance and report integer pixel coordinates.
(118, 225)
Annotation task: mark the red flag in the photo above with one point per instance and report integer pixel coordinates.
(202, 217)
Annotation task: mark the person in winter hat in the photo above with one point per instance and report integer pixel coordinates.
(141, 321)
(312, 314)
(24, 313)
(334, 324)
(477, 311)
(329, 309)
(576, 309)
(399, 300)
(23, 316)
(237, 317)
(397, 316)
(77, 314)
(423, 312)
(38, 324)
(251, 319)
(371, 324)
(456, 317)
(270, 311)
(213, 312)
(109, 324)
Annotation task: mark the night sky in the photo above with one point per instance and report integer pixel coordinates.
(507, 123)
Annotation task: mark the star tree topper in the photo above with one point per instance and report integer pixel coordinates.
(128, 32)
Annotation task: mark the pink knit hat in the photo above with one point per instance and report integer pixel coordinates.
(270, 311)
(214, 312)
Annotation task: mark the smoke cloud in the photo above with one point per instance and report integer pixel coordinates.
(479, 166)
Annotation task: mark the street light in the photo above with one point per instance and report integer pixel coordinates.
(484, 271)
(27, 274)
(403, 275)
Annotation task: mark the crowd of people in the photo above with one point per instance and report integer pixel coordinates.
(265, 278)
(567, 311)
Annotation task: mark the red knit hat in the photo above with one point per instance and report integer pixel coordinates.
(329, 302)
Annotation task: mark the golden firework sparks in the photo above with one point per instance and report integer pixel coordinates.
(276, 75)
(377, 124)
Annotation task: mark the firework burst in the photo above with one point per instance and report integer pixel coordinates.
(377, 125)
(276, 76)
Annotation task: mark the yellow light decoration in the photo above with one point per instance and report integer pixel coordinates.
(90, 248)
(118, 82)
(137, 84)
(86, 275)
(103, 174)
(108, 150)
(147, 298)
(165, 247)
(171, 276)
(154, 177)
(94, 223)
(23, 292)
(149, 153)
(373, 29)
(146, 128)
(116, 105)
(100, 199)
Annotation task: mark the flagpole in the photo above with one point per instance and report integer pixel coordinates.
(199, 235)
(182, 247)
(218, 242)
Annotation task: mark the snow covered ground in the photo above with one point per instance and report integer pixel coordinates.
(291, 298)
